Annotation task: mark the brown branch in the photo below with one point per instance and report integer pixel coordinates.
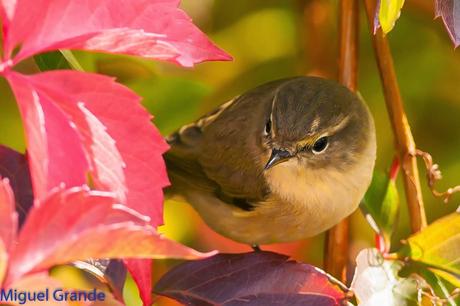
(401, 129)
(336, 248)
(433, 174)
(317, 32)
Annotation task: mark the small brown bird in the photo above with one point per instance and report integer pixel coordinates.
(284, 161)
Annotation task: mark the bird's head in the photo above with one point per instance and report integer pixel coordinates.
(316, 123)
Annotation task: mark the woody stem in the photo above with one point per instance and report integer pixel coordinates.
(336, 248)
(401, 129)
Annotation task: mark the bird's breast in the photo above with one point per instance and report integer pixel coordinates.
(301, 203)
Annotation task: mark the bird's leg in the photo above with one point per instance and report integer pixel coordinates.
(256, 248)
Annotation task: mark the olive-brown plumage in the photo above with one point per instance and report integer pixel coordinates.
(282, 162)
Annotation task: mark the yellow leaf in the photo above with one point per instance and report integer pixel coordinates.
(389, 12)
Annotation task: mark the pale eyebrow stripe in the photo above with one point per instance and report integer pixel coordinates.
(329, 131)
(271, 116)
(315, 124)
(338, 126)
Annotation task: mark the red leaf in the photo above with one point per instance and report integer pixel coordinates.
(14, 166)
(155, 29)
(3, 261)
(8, 224)
(451, 18)
(141, 271)
(101, 121)
(77, 224)
(257, 278)
(8, 216)
(51, 139)
(6, 13)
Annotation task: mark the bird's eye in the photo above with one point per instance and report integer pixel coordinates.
(320, 145)
(268, 127)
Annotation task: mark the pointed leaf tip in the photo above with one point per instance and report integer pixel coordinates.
(257, 278)
(88, 110)
(8, 215)
(437, 245)
(155, 29)
(15, 167)
(450, 14)
(387, 12)
(78, 224)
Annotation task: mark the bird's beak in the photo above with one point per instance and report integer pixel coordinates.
(278, 156)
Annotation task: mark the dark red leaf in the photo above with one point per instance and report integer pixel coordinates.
(257, 278)
(14, 166)
(448, 10)
(8, 216)
(8, 224)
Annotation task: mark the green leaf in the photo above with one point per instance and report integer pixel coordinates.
(389, 12)
(450, 278)
(72, 60)
(438, 285)
(438, 245)
(51, 61)
(381, 205)
(55, 60)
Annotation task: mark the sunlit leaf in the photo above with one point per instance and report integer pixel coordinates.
(141, 272)
(381, 204)
(101, 127)
(36, 283)
(155, 29)
(376, 282)
(77, 224)
(45, 124)
(438, 245)
(388, 12)
(449, 12)
(257, 278)
(3, 260)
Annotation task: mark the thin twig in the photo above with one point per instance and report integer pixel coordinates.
(425, 289)
(337, 244)
(401, 129)
(433, 174)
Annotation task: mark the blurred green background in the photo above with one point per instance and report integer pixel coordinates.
(271, 39)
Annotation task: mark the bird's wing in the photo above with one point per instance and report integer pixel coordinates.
(221, 153)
